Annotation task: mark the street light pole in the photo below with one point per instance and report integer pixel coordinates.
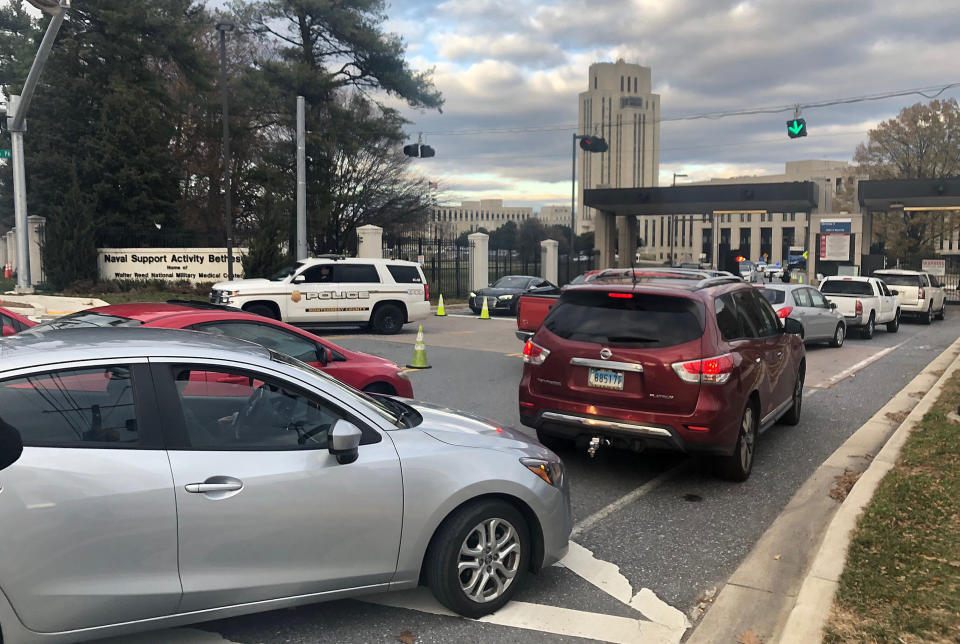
(17, 125)
(301, 179)
(223, 27)
(573, 208)
(673, 221)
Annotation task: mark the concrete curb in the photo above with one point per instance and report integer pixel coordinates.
(812, 609)
(761, 594)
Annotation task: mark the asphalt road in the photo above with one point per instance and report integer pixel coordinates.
(665, 521)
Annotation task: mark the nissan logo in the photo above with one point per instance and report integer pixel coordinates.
(606, 353)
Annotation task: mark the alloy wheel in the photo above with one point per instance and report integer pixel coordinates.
(838, 336)
(747, 438)
(489, 559)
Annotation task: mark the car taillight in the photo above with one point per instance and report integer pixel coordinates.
(426, 292)
(534, 354)
(859, 308)
(709, 371)
(785, 312)
(921, 295)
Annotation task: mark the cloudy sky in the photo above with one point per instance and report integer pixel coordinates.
(519, 64)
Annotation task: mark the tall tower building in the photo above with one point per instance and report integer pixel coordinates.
(619, 106)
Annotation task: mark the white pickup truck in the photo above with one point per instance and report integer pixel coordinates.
(864, 301)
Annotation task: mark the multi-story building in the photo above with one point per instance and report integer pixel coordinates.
(619, 106)
(554, 216)
(755, 234)
(470, 216)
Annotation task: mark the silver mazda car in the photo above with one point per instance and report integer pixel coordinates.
(169, 477)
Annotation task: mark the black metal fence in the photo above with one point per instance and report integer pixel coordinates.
(950, 279)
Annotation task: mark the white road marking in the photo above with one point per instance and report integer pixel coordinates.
(627, 499)
(849, 371)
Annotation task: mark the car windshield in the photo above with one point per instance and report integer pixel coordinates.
(846, 287)
(746, 266)
(512, 281)
(86, 319)
(283, 274)
(626, 319)
(773, 295)
(368, 402)
(900, 280)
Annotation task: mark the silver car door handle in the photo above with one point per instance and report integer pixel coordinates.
(200, 488)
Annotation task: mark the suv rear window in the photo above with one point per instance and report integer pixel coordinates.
(846, 287)
(405, 274)
(773, 296)
(626, 319)
(901, 280)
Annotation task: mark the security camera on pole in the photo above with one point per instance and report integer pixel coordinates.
(17, 125)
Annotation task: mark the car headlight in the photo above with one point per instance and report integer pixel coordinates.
(550, 471)
(505, 297)
(472, 294)
(403, 374)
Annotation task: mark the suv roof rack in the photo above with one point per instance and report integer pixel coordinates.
(717, 281)
(333, 256)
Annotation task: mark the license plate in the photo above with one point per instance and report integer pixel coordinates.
(605, 379)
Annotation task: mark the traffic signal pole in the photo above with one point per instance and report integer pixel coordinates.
(17, 125)
(573, 208)
(301, 180)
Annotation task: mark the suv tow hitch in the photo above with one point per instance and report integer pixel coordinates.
(595, 444)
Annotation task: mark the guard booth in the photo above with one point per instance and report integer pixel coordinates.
(617, 209)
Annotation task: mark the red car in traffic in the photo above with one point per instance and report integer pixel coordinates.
(690, 365)
(359, 370)
(12, 323)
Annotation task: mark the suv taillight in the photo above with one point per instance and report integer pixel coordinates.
(785, 312)
(921, 294)
(859, 308)
(426, 291)
(534, 354)
(708, 371)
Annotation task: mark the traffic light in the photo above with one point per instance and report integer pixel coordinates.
(419, 151)
(593, 144)
(796, 128)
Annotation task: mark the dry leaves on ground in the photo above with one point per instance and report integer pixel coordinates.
(749, 638)
(843, 484)
(406, 637)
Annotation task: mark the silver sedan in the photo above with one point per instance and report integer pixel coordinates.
(169, 477)
(819, 317)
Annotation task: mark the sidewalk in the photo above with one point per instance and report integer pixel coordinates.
(42, 307)
(810, 536)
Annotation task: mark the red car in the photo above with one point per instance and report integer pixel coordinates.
(359, 370)
(691, 365)
(12, 323)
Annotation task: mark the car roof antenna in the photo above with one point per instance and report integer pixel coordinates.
(633, 271)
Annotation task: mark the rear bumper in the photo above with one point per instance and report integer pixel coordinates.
(523, 336)
(418, 311)
(854, 320)
(914, 308)
(718, 411)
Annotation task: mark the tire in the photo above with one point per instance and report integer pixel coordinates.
(927, 317)
(262, 309)
(942, 315)
(893, 327)
(839, 335)
(380, 388)
(462, 531)
(737, 466)
(387, 319)
(555, 443)
(792, 417)
(866, 332)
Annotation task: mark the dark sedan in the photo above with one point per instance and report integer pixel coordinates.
(503, 295)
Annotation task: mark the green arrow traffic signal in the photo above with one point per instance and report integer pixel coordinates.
(796, 128)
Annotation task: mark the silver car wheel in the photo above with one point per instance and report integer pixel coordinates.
(489, 559)
(746, 439)
(838, 336)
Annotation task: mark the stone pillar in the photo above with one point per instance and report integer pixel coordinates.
(697, 241)
(35, 228)
(479, 261)
(3, 255)
(12, 247)
(370, 242)
(549, 260)
(754, 240)
(605, 225)
(627, 240)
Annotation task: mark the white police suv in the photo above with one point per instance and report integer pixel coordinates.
(383, 294)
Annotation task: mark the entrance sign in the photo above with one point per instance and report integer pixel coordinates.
(835, 226)
(194, 265)
(936, 267)
(835, 247)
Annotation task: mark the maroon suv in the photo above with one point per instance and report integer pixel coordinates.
(693, 365)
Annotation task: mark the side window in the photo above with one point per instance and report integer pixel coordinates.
(771, 326)
(753, 315)
(817, 298)
(266, 335)
(405, 274)
(91, 407)
(727, 320)
(933, 282)
(363, 273)
(883, 289)
(323, 273)
(802, 297)
(232, 410)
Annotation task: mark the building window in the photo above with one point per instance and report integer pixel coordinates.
(742, 219)
(594, 82)
(621, 83)
(646, 232)
(661, 231)
(749, 217)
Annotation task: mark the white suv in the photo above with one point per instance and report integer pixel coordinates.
(919, 293)
(336, 291)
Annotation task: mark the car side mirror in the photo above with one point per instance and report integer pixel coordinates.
(8, 330)
(324, 355)
(832, 306)
(11, 445)
(345, 442)
(792, 326)
(894, 292)
(300, 279)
